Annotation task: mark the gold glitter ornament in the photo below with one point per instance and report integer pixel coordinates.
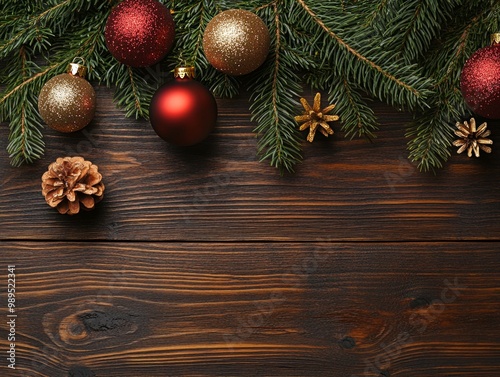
(67, 101)
(236, 42)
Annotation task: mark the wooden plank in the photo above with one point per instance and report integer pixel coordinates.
(344, 190)
(273, 309)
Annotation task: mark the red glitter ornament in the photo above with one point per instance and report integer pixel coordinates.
(139, 33)
(183, 111)
(480, 80)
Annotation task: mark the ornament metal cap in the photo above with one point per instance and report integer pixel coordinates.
(181, 72)
(77, 69)
(495, 38)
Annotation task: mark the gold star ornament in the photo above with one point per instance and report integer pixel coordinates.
(472, 138)
(316, 119)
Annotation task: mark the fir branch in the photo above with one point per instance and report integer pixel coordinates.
(137, 101)
(48, 12)
(133, 91)
(461, 40)
(408, 28)
(358, 119)
(354, 52)
(432, 132)
(273, 103)
(343, 47)
(192, 19)
(25, 139)
(37, 29)
(458, 56)
(36, 37)
(274, 86)
(26, 82)
(222, 85)
(378, 11)
(392, 89)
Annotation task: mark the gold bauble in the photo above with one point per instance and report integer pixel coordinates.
(236, 42)
(67, 101)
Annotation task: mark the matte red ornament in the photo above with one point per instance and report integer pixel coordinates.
(139, 33)
(183, 112)
(480, 80)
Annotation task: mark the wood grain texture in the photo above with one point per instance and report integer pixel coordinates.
(257, 309)
(218, 191)
(357, 266)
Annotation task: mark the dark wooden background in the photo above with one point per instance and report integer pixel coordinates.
(205, 262)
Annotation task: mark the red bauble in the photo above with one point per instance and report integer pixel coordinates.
(183, 112)
(139, 33)
(480, 82)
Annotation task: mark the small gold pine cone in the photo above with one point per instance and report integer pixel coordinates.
(71, 181)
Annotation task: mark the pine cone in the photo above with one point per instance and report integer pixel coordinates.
(71, 181)
(472, 138)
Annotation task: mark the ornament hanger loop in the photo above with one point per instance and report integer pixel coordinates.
(77, 69)
(495, 38)
(187, 71)
(79, 60)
